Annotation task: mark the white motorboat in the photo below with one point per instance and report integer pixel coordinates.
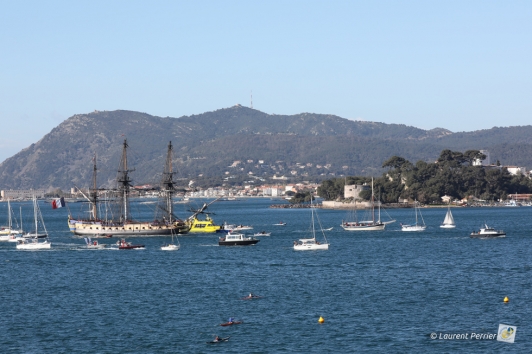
(232, 228)
(95, 245)
(487, 232)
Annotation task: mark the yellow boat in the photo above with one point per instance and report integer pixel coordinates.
(202, 226)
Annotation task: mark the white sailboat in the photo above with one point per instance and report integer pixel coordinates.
(31, 239)
(171, 246)
(309, 244)
(417, 226)
(448, 222)
(367, 225)
(17, 235)
(7, 233)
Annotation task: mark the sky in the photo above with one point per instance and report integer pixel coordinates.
(459, 65)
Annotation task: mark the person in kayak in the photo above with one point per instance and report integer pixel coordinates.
(216, 339)
(231, 320)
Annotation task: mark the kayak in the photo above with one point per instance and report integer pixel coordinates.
(220, 340)
(230, 323)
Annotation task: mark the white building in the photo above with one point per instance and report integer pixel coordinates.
(516, 170)
(22, 193)
(353, 190)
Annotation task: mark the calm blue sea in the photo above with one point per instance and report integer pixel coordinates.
(377, 291)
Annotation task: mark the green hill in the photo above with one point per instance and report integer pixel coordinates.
(304, 145)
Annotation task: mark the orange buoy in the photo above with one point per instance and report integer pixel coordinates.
(506, 299)
(321, 320)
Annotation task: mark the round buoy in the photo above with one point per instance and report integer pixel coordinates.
(321, 320)
(506, 299)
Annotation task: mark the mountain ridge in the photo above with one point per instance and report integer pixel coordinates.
(209, 142)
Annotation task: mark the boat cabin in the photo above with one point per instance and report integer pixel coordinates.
(308, 241)
(235, 237)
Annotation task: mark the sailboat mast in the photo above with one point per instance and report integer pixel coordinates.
(124, 182)
(372, 202)
(35, 213)
(9, 212)
(168, 182)
(415, 209)
(94, 192)
(312, 217)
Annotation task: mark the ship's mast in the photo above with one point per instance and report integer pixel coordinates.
(372, 202)
(168, 182)
(94, 192)
(124, 182)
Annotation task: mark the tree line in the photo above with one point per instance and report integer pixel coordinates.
(453, 174)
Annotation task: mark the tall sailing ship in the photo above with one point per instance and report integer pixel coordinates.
(124, 224)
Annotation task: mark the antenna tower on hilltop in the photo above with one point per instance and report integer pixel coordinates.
(251, 99)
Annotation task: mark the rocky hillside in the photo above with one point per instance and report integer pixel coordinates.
(305, 144)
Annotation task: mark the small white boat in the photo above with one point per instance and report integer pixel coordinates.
(231, 228)
(512, 203)
(33, 244)
(262, 233)
(311, 244)
(95, 245)
(280, 223)
(6, 233)
(242, 227)
(416, 226)
(15, 238)
(171, 246)
(448, 222)
(487, 232)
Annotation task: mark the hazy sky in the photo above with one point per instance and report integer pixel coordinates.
(460, 65)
